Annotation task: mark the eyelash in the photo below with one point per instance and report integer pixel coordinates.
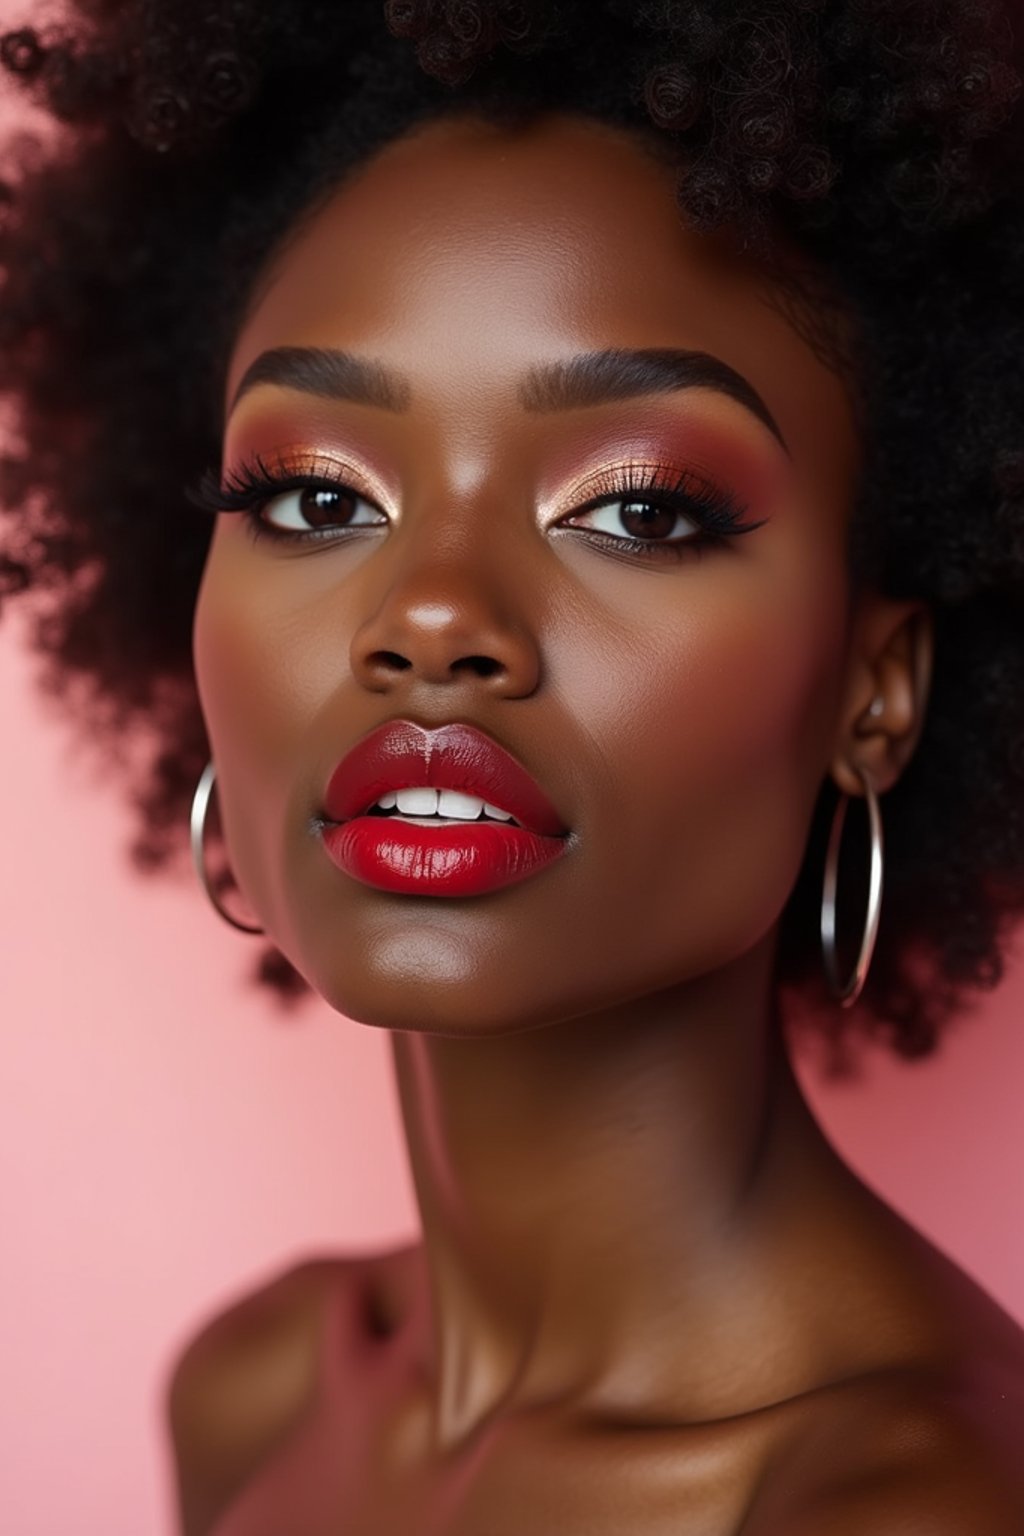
(249, 487)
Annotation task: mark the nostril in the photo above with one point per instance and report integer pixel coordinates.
(484, 666)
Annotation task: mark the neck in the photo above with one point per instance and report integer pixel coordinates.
(594, 1188)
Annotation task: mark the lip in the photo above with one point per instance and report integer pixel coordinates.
(401, 754)
(467, 858)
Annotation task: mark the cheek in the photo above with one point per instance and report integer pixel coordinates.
(259, 692)
(762, 686)
(724, 729)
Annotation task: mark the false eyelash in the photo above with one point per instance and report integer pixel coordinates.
(718, 513)
(252, 483)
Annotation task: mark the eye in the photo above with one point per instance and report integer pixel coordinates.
(644, 517)
(296, 503)
(311, 508)
(655, 510)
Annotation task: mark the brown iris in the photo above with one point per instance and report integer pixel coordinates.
(322, 507)
(648, 518)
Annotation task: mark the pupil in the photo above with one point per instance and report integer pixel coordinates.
(319, 506)
(649, 516)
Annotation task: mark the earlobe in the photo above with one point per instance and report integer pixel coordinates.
(886, 697)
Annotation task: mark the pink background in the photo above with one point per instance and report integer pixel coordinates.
(168, 1140)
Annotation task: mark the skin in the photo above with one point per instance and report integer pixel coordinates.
(649, 1297)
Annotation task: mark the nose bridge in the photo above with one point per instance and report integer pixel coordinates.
(460, 536)
(453, 593)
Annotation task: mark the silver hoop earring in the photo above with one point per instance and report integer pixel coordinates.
(848, 994)
(197, 828)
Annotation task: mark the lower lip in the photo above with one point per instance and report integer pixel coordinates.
(437, 861)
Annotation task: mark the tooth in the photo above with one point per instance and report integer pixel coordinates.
(495, 810)
(452, 802)
(417, 802)
(388, 801)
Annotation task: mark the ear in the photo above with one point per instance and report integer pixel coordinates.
(885, 696)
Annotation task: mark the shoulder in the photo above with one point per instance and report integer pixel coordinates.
(905, 1453)
(248, 1377)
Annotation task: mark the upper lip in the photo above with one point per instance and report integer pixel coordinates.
(403, 755)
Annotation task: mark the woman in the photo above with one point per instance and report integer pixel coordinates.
(609, 419)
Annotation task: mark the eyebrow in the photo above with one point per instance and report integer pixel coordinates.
(600, 378)
(331, 374)
(592, 378)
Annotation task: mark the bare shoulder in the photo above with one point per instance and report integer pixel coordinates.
(245, 1381)
(903, 1453)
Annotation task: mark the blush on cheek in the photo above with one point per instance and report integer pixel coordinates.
(249, 678)
(741, 748)
(219, 655)
(778, 688)
(245, 734)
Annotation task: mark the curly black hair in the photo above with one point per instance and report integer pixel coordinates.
(882, 137)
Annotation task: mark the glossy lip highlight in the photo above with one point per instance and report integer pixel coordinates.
(424, 858)
(401, 754)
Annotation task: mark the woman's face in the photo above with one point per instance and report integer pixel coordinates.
(677, 703)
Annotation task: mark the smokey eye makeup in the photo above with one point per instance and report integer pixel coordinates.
(680, 510)
(311, 496)
(651, 510)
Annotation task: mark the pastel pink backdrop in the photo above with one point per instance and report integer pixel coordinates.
(167, 1140)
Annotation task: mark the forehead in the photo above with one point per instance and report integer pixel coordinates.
(465, 253)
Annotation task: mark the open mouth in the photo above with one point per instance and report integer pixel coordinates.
(425, 853)
(444, 777)
(444, 808)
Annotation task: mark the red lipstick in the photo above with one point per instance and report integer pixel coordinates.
(437, 859)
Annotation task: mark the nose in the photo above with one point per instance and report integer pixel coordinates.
(444, 622)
